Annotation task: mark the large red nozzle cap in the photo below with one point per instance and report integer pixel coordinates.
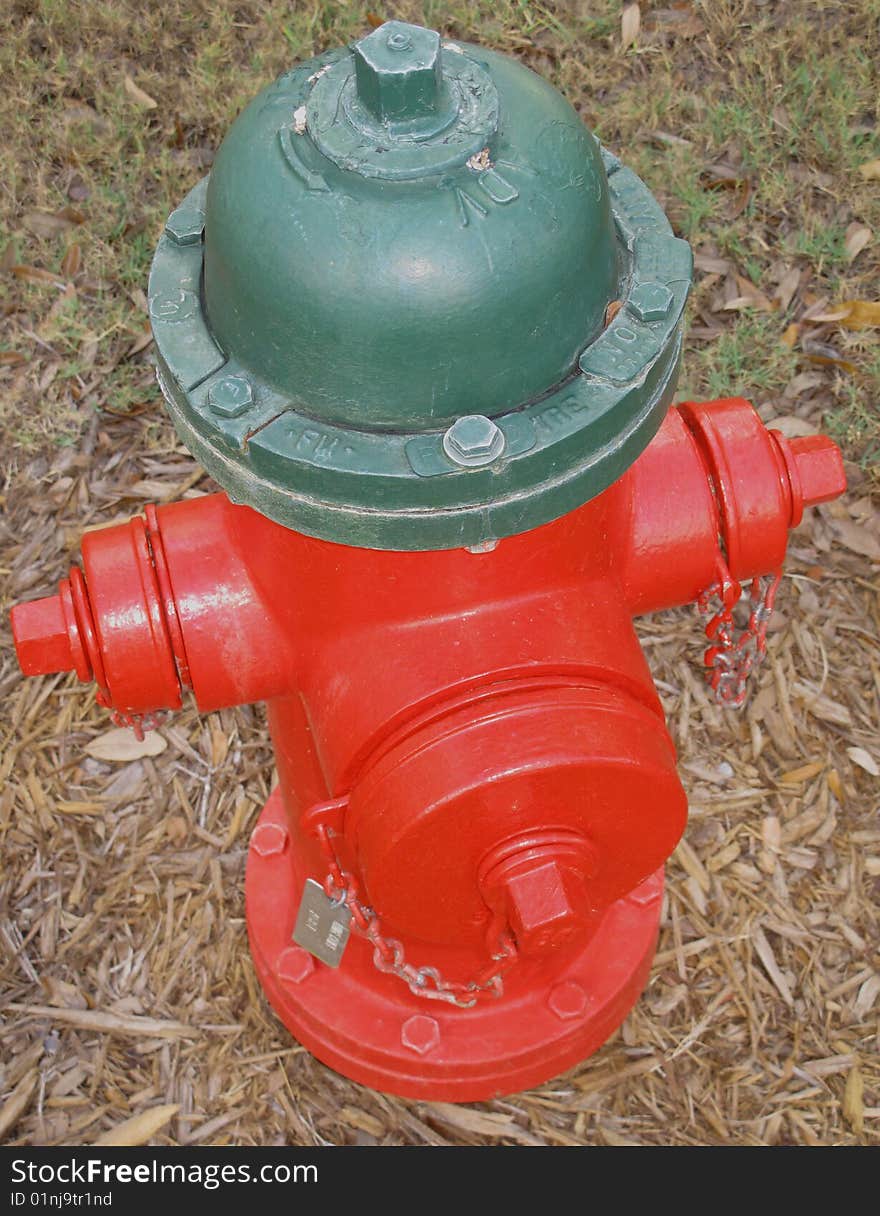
(545, 800)
(42, 643)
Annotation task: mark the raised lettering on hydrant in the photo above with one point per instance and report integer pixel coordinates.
(450, 485)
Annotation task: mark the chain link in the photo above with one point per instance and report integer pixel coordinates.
(139, 723)
(735, 653)
(388, 953)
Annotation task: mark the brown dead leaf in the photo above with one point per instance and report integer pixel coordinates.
(753, 300)
(139, 1128)
(835, 784)
(45, 223)
(860, 314)
(611, 311)
(857, 537)
(850, 314)
(793, 427)
(870, 170)
(72, 261)
(824, 354)
(120, 744)
(790, 336)
(749, 296)
(802, 383)
(744, 193)
(803, 773)
(11, 358)
(137, 94)
(828, 361)
(710, 264)
(630, 24)
(788, 286)
(864, 760)
(36, 274)
(858, 236)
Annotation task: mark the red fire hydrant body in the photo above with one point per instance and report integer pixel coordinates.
(475, 777)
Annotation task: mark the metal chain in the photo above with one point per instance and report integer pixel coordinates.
(388, 953)
(735, 653)
(139, 723)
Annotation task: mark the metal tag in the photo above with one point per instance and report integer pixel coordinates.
(322, 927)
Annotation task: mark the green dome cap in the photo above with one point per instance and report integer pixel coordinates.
(402, 237)
(426, 242)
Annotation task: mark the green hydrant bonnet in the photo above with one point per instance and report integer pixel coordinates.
(382, 319)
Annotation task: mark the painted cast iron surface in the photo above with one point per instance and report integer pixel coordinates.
(344, 287)
(472, 756)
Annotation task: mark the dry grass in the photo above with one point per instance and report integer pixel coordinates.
(124, 972)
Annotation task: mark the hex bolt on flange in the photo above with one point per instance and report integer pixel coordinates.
(231, 396)
(567, 1000)
(420, 1034)
(185, 226)
(473, 441)
(650, 301)
(295, 965)
(269, 839)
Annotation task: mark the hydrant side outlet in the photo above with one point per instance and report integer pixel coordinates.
(425, 334)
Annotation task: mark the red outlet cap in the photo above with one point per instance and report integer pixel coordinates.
(819, 468)
(39, 631)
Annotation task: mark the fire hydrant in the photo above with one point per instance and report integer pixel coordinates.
(425, 332)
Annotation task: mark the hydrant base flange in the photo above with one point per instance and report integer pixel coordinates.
(389, 1039)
